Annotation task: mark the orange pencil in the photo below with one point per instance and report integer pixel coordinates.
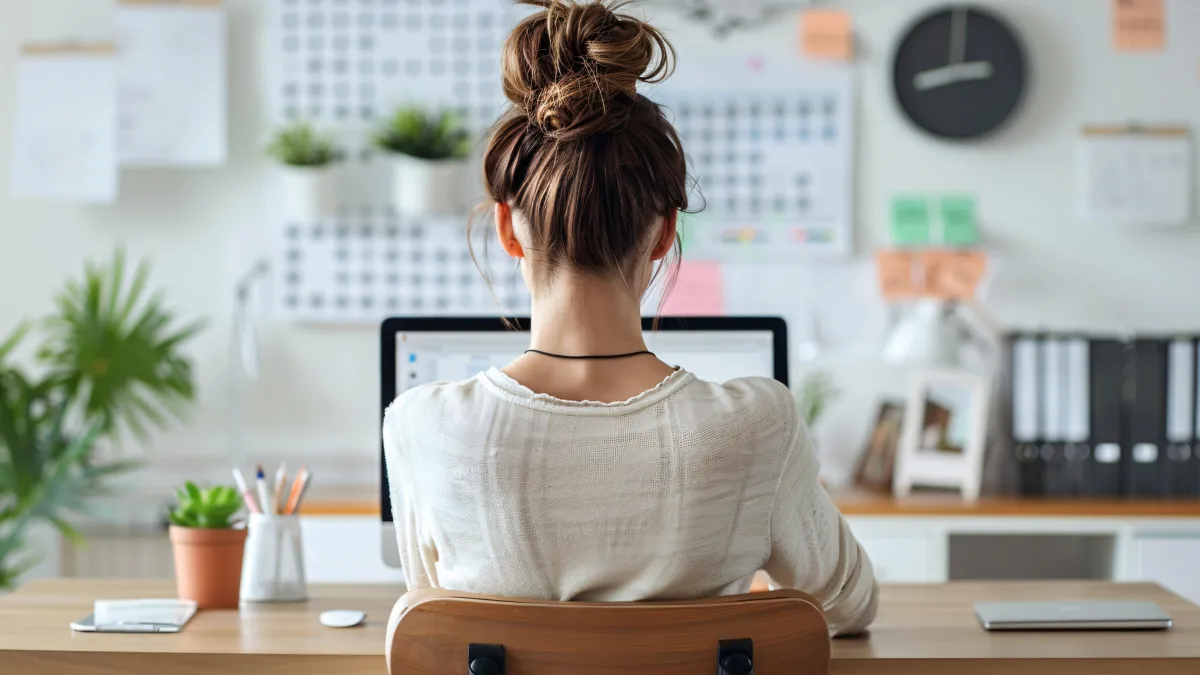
(298, 487)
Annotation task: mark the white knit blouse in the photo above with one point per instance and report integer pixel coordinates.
(684, 491)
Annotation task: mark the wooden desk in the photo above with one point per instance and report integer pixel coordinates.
(921, 630)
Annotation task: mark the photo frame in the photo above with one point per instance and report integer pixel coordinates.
(944, 435)
(877, 461)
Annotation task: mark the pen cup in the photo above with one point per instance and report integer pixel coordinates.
(273, 570)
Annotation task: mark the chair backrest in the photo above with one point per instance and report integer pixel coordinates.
(447, 633)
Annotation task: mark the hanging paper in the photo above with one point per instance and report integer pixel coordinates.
(1139, 25)
(898, 274)
(172, 82)
(699, 291)
(952, 275)
(910, 221)
(959, 226)
(827, 34)
(65, 132)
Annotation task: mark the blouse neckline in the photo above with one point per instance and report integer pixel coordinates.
(509, 389)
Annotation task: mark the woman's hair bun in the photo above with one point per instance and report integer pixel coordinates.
(573, 68)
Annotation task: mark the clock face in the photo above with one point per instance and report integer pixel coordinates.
(959, 73)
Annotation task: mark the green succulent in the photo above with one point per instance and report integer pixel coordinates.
(211, 509)
(301, 145)
(416, 133)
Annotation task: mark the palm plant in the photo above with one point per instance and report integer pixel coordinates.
(109, 362)
(817, 393)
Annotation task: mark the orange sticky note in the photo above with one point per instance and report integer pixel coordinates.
(699, 291)
(898, 274)
(953, 275)
(827, 34)
(1139, 25)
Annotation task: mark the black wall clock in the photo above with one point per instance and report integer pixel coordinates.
(959, 72)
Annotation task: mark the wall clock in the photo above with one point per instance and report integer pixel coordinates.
(959, 72)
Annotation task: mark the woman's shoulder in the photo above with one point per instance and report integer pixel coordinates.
(434, 398)
(763, 395)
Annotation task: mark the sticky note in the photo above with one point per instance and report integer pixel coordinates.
(898, 274)
(827, 34)
(699, 291)
(910, 221)
(952, 275)
(1139, 25)
(959, 227)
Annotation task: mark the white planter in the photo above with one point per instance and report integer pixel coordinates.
(308, 193)
(428, 187)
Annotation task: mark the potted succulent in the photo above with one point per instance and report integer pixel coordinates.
(208, 547)
(307, 160)
(429, 154)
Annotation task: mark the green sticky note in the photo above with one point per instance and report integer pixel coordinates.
(910, 221)
(958, 221)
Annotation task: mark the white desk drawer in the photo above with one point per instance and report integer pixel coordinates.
(1173, 562)
(901, 559)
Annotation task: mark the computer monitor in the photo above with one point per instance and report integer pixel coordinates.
(416, 351)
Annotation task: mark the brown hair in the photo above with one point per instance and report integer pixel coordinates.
(592, 165)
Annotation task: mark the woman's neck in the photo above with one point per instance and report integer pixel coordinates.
(577, 315)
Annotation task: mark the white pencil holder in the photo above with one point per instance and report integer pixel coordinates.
(273, 569)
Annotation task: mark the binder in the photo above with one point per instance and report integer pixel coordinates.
(1026, 414)
(1147, 419)
(1180, 476)
(1106, 385)
(1076, 430)
(1052, 380)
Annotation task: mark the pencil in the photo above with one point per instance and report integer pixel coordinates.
(298, 489)
(280, 479)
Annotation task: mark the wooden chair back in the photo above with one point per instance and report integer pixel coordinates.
(446, 633)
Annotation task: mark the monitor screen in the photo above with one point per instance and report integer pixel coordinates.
(420, 351)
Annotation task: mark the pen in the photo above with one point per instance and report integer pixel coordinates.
(261, 483)
(246, 496)
(280, 479)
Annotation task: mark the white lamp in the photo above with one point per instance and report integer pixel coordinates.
(935, 331)
(924, 337)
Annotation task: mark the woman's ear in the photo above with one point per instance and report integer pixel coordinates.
(666, 237)
(505, 232)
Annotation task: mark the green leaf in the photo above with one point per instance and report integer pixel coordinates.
(70, 533)
(193, 492)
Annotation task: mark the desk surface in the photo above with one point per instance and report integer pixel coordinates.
(920, 629)
(350, 502)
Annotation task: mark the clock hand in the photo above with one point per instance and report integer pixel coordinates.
(958, 36)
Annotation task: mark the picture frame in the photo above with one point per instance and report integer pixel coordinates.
(876, 464)
(944, 435)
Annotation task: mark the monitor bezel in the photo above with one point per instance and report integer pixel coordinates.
(391, 326)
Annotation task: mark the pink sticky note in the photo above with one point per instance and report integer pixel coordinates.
(698, 291)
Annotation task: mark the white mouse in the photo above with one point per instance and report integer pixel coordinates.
(342, 618)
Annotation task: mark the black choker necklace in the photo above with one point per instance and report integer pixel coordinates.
(604, 356)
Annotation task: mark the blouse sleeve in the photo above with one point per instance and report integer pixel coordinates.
(812, 547)
(413, 558)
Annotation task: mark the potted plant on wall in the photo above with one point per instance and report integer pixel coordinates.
(307, 161)
(208, 547)
(110, 363)
(429, 156)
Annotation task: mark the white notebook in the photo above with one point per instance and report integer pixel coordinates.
(155, 615)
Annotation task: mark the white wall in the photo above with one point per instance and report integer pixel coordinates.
(318, 398)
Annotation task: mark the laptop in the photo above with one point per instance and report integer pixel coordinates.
(1072, 615)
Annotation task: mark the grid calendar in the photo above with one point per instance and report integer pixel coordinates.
(359, 268)
(770, 170)
(770, 147)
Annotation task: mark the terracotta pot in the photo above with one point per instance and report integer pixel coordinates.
(208, 565)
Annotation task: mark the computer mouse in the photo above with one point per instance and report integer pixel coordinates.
(342, 618)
